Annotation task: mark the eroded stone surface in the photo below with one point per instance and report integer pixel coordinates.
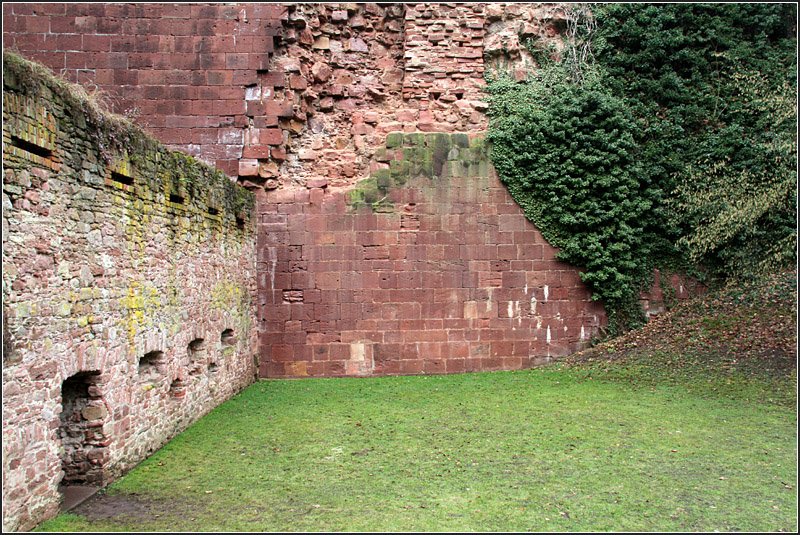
(114, 262)
(279, 94)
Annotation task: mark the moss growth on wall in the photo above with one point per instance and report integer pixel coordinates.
(111, 131)
(435, 156)
(127, 149)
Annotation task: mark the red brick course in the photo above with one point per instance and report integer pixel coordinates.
(471, 285)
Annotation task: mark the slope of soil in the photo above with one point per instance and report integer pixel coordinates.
(723, 342)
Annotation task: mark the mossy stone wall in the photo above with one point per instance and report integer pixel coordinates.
(113, 248)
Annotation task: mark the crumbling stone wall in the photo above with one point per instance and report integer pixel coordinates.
(387, 243)
(128, 292)
(341, 80)
(357, 72)
(276, 95)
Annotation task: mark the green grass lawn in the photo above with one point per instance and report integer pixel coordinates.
(580, 448)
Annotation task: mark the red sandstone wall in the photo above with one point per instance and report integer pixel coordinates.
(451, 277)
(180, 70)
(276, 95)
(310, 113)
(438, 271)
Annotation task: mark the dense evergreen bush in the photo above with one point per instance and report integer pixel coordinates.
(714, 89)
(671, 141)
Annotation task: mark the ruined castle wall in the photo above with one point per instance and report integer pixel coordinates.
(275, 95)
(128, 293)
(429, 266)
(184, 72)
(340, 81)
(389, 245)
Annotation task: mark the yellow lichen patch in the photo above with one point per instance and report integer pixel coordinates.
(227, 295)
(233, 299)
(122, 165)
(139, 305)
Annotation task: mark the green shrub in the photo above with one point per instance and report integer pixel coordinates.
(665, 137)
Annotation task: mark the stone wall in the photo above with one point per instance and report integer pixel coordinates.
(276, 95)
(387, 243)
(182, 71)
(128, 292)
(295, 98)
(429, 266)
(353, 73)
(341, 80)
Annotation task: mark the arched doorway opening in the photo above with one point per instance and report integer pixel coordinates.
(84, 443)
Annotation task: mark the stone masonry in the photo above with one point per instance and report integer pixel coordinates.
(179, 70)
(277, 94)
(427, 267)
(128, 291)
(387, 243)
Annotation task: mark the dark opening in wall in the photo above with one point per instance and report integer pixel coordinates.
(212, 211)
(173, 197)
(228, 338)
(81, 430)
(31, 148)
(121, 179)
(198, 354)
(177, 389)
(150, 366)
(9, 356)
(240, 222)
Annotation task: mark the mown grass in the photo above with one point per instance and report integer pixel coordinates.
(557, 449)
(689, 424)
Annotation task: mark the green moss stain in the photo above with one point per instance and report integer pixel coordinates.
(123, 147)
(234, 299)
(435, 156)
(144, 209)
(369, 193)
(394, 140)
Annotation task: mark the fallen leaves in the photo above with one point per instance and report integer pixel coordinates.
(715, 342)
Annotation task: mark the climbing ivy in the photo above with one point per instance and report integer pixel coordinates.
(664, 137)
(714, 89)
(568, 156)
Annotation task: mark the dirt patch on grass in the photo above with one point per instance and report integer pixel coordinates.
(135, 508)
(727, 342)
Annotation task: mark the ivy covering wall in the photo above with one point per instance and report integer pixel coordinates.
(662, 135)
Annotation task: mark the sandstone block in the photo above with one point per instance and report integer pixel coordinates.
(248, 167)
(94, 413)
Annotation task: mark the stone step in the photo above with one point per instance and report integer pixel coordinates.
(74, 495)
